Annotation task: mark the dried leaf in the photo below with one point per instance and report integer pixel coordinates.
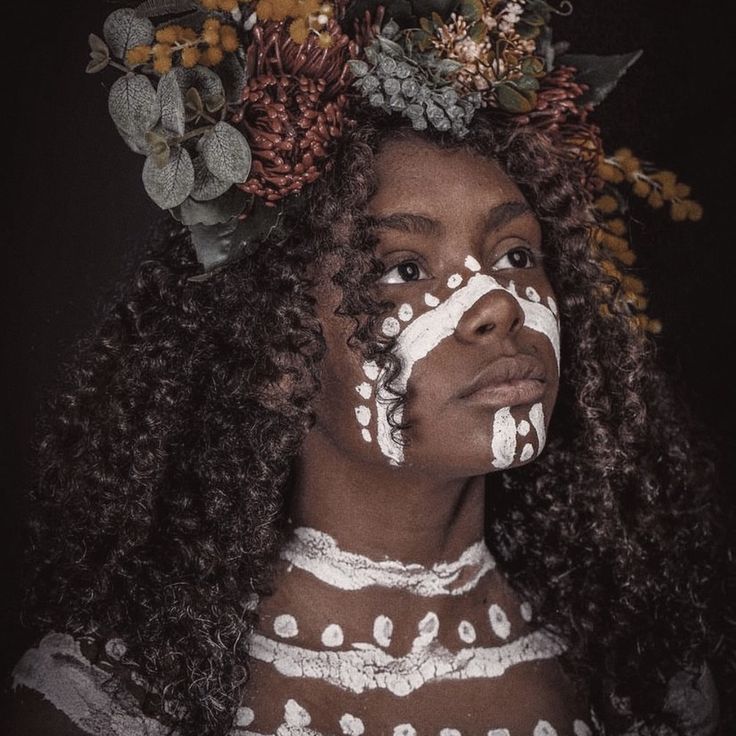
(157, 147)
(205, 81)
(207, 186)
(169, 185)
(133, 105)
(358, 67)
(600, 73)
(171, 103)
(193, 105)
(96, 63)
(123, 29)
(225, 206)
(390, 47)
(512, 100)
(226, 153)
(151, 8)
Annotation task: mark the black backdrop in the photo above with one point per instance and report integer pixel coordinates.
(77, 208)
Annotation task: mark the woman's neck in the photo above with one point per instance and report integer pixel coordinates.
(384, 512)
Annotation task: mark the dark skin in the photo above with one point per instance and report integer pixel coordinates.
(430, 507)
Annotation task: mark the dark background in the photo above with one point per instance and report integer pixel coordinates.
(77, 208)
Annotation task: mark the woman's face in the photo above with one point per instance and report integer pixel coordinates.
(474, 310)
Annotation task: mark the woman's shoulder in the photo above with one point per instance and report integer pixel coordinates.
(73, 687)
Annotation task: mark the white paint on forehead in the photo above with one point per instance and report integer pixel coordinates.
(581, 728)
(366, 667)
(391, 327)
(364, 389)
(383, 629)
(466, 632)
(244, 716)
(405, 312)
(429, 329)
(455, 280)
(523, 428)
(366, 435)
(526, 611)
(319, 554)
(332, 636)
(472, 263)
(295, 715)
(431, 300)
(532, 294)
(351, 725)
(363, 415)
(370, 368)
(405, 729)
(536, 417)
(544, 728)
(285, 626)
(503, 438)
(527, 452)
(499, 621)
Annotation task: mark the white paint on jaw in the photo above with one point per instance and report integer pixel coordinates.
(536, 417)
(499, 732)
(366, 667)
(527, 452)
(364, 389)
(319, 554)
(430, 300)
(383, 629)
(426, 332)
(523, 428)
(450, 732)
(503, 439)
(455, 280)
(581, 728)
(405, 312)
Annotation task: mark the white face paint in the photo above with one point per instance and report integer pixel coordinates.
(526, 611)
(332, 636)
(285, 626)
(383, 629)
(352, 726)
(466, 632)
(544, 728)
(295, 715)
(499, 621)
(424, 333)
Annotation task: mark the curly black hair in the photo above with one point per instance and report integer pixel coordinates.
(164, 460)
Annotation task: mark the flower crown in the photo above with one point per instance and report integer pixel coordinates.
(237, 105)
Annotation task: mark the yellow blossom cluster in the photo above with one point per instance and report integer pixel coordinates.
(207, 48)
(657, 188)
(309, 16)
(226, 6)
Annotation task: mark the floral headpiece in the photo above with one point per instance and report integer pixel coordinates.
(237, 105)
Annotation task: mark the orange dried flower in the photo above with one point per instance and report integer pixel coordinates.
(212, 56)
(138, 55)
(162, 64)
(606, 203)
(168, 34)
(188, 34)
(299, 30)
(190, 57)
(229, 38)
(642, 187)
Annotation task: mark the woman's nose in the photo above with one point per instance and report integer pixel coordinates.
(497, 312)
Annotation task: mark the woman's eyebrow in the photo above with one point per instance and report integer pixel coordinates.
(411, 222)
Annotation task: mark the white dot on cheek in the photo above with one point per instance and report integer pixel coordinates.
(363, 414)
(405, 312)
(391, 327)
(455, 280)
(430, 300)
(366, 435)
(472, 264)
(532, 294)
(285, 626)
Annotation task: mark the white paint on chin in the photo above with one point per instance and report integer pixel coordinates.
(332, 636)
(503, 438)
(351, 725)
(544, 728)
(426, 332)
(527, 452)
(523, 428)
(244, 716)
(466, 632)
(536, 417)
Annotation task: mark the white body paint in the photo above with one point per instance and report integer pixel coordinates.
(366, 434)
(351, 726)
(581, 728)
(405, 312)
(363, 415)
(499, 621)
(426, 332)
(295, 715)
(527, 452)
(472, 264)
(285, 626)
(536, 416)
(318, 553)
(503, 438)
(466, 632)
(367, 667)
(332, 636)
(383, 629)
(455, 280)
(523, 428)
(526, 611)
(244, 716)
(430, 300)
(405, 729)
(364, 389)
(391, 326)
(532, 294)
(499, 732)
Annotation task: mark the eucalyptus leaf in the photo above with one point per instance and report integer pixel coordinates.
(226, 152)
(600, 73)
(448, 66)
(171, 103)
(169, 185)
(207, 186)
(390, 47)
(133, 104)
(358, 67)
(151, 8)
(193, 105)
(212, 212)
(123, 30)
(512, 100)
(97, 45)
(96, 63)
(158, 147)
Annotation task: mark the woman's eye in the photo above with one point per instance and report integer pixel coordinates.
(516, 258)
(402, 273)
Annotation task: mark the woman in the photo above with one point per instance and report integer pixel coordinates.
(408, 470)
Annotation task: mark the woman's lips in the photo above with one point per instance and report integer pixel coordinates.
(511, 393)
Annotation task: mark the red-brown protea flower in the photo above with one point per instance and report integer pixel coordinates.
(293, 106)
